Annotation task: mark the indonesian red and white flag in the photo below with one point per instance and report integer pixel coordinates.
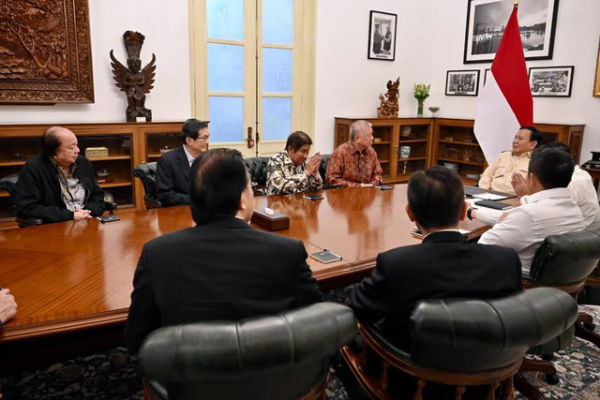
(505, 103)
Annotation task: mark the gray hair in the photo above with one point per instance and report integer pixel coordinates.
(358, 126)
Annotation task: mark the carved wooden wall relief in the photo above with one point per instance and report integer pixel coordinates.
(45, 52)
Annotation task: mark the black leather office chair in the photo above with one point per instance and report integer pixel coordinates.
(282, 356)
(257, 167)
(463, 342)
(563, 262)
(147, 174)
(8, 184)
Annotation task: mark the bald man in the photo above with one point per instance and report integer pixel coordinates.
(58, 184)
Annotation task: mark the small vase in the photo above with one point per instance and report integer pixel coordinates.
(420, 108)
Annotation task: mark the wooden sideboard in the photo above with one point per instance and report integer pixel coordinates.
(129, 144)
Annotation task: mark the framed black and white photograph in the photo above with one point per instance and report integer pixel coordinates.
(486, 73)
(486, 20)
(382, 36)
(551, 81)
(462, 83)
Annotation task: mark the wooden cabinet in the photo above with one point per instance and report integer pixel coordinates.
(440, 141)
(128, 144)
(454, 145)
(402, 144)
(571, 135)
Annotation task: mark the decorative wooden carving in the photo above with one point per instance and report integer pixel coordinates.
(132, 81)
(45, 52)
(342, 135)
(389, 107)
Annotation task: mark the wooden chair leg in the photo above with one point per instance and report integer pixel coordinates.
(460, 390)
(492, 391)
(384, 377)
(508, 389)
(587, 334)
(526, 388)
(538, 365)
(419, 392)
(585, 318)
(362, 358)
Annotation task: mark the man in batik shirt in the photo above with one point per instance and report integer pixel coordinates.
(355, 163)
(290, 172)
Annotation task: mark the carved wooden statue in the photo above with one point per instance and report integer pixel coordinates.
(132, 81)
(389, 108)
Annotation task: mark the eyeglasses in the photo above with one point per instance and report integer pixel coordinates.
(206, 137)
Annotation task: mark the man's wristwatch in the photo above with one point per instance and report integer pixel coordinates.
(469, 213)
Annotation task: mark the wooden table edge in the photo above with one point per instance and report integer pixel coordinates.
(66, 325)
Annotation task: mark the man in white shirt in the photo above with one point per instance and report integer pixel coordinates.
(581, 189)
(547, 210)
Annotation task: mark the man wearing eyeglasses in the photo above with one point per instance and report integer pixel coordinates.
(173, 168)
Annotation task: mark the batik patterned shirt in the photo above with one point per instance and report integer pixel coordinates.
(349, 166)
(283, 176)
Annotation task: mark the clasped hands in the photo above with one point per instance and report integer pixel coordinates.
(519, 184)
(313, 164)
(81, 214)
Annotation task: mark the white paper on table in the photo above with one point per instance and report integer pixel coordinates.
(489, 196)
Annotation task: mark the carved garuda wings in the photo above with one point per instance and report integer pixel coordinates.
(121, 73)
(148, 73)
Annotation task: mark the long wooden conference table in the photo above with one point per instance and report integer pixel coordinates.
(77, 276)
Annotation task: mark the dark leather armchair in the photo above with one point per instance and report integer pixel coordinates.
(563, 262)
(147, 174)
(8, 184)
(274, 357)
(323, 166)
(464, 342)
(257, 167)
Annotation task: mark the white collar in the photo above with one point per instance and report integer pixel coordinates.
(188, 155)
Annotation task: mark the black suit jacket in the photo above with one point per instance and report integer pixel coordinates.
(173, 178)
(443, 265)
(38, 194)
(223, 270)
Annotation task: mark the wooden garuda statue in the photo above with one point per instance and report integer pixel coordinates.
(389, 107)
(131, 80)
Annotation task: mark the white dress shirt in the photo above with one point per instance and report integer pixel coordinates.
(188, 155)
(584, 194)
(582, 191)
(541, 214)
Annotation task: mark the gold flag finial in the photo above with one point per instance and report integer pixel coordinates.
(516, 2)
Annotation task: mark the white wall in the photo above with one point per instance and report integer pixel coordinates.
(430, 41)
(165, 26)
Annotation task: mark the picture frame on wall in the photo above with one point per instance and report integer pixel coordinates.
(486, 20)
(382, 35)
(597, 80)
(486, 73)
(462, 82)
(47, 56)
(551, 81)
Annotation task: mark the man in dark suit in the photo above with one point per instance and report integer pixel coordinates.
(444, 265)
(58, 184)
(221, 269)
(173, 168)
